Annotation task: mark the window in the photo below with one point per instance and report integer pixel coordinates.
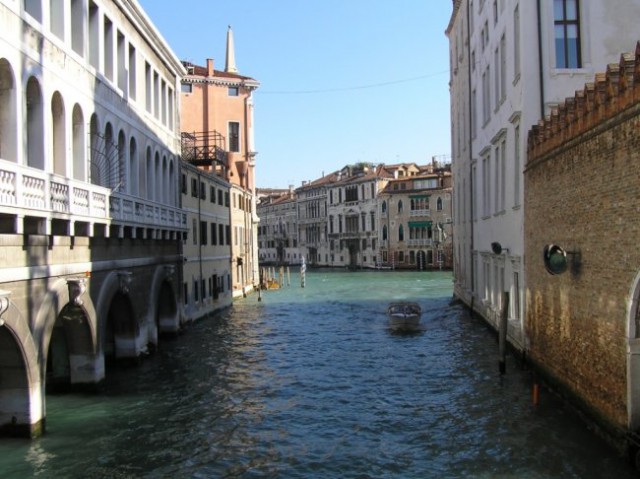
(194, 187)
(194, 231)
(486, 95)
(203, 232)
(220, 201)
(233, 91)
(221, 235)
(567, 33)
(234, 136)
(132, 72)
(203, 190)
(147, 87)
(108, 48)
(384, 207)
(186, 87)
(400, 208)
(503, 68)
(401, 233)
(184, 184)
(439, 204)
(212, 194)
(214, 236)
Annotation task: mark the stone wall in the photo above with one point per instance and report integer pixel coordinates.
(582, 191)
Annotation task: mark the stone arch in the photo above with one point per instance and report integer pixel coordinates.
(34, 124)
(21, 404)
(633, 355)
(163, 303)
(109, 165)
(148, 176)
(59, 134)
(118, 329)
(79, 141)
(8, 112)
(79, 321)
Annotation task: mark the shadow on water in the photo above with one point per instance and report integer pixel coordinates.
(311, 383)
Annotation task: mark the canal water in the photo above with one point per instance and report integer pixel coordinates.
(310, 383)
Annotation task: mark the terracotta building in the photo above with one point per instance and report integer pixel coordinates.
(581, 228)
(217, 112)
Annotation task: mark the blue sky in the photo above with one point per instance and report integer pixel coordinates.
(342, 81)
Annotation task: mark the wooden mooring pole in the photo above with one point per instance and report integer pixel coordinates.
(502, 333)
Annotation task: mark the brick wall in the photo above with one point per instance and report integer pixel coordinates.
(582, 192)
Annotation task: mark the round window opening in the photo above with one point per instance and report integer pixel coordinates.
(555, 259)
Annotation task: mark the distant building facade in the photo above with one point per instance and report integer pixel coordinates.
(217, 107)
(511, 62)
(353, 215)
(350, 218)
(416, 222)
(90, 215)
(278, 228)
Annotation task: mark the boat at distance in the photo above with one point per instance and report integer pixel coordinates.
(404, 316)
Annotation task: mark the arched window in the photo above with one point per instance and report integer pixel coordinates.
(157, 178)
(384, 207)
(401, 233)
(400, 208)
(8, 113)
(94, 150)
(79, 142)
(439, 204)
(147, 182)
(123, 175)
(35, 125)
(172, 185)
(384, 233)
(164, 197)
(109, 166)
(59, 135)
(133, 167)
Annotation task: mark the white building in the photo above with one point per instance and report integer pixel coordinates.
(89, 205)
(512, 61)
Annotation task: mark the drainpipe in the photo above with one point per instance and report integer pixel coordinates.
(540, 61)
(471, 189)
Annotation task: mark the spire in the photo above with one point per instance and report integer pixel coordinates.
(230, 64)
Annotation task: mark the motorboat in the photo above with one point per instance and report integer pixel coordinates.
(404, 316)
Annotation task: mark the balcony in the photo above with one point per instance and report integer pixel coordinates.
(425, 242)
(205, 149)
(420, 213)
(27, 191)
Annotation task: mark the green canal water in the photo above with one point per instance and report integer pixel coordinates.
(310, 383)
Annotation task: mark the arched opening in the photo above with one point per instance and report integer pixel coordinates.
(95, 147)
(633, 356)
(439, 204)
(70, 346)
(165, 181)
(167, 309)
(157, 178)
(120, 330)
(147, 190)
(59, 135)
(35, 125)
(384, 207)
(109, 167)
(400, 207)
(121, 184)
(58, 364)
(384, 233)
(14, 386)
(172, 185)
(8, 113)
(133, 167)
(79, 151)
(401, 233)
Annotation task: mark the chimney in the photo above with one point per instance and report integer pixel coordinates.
(209, 67)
